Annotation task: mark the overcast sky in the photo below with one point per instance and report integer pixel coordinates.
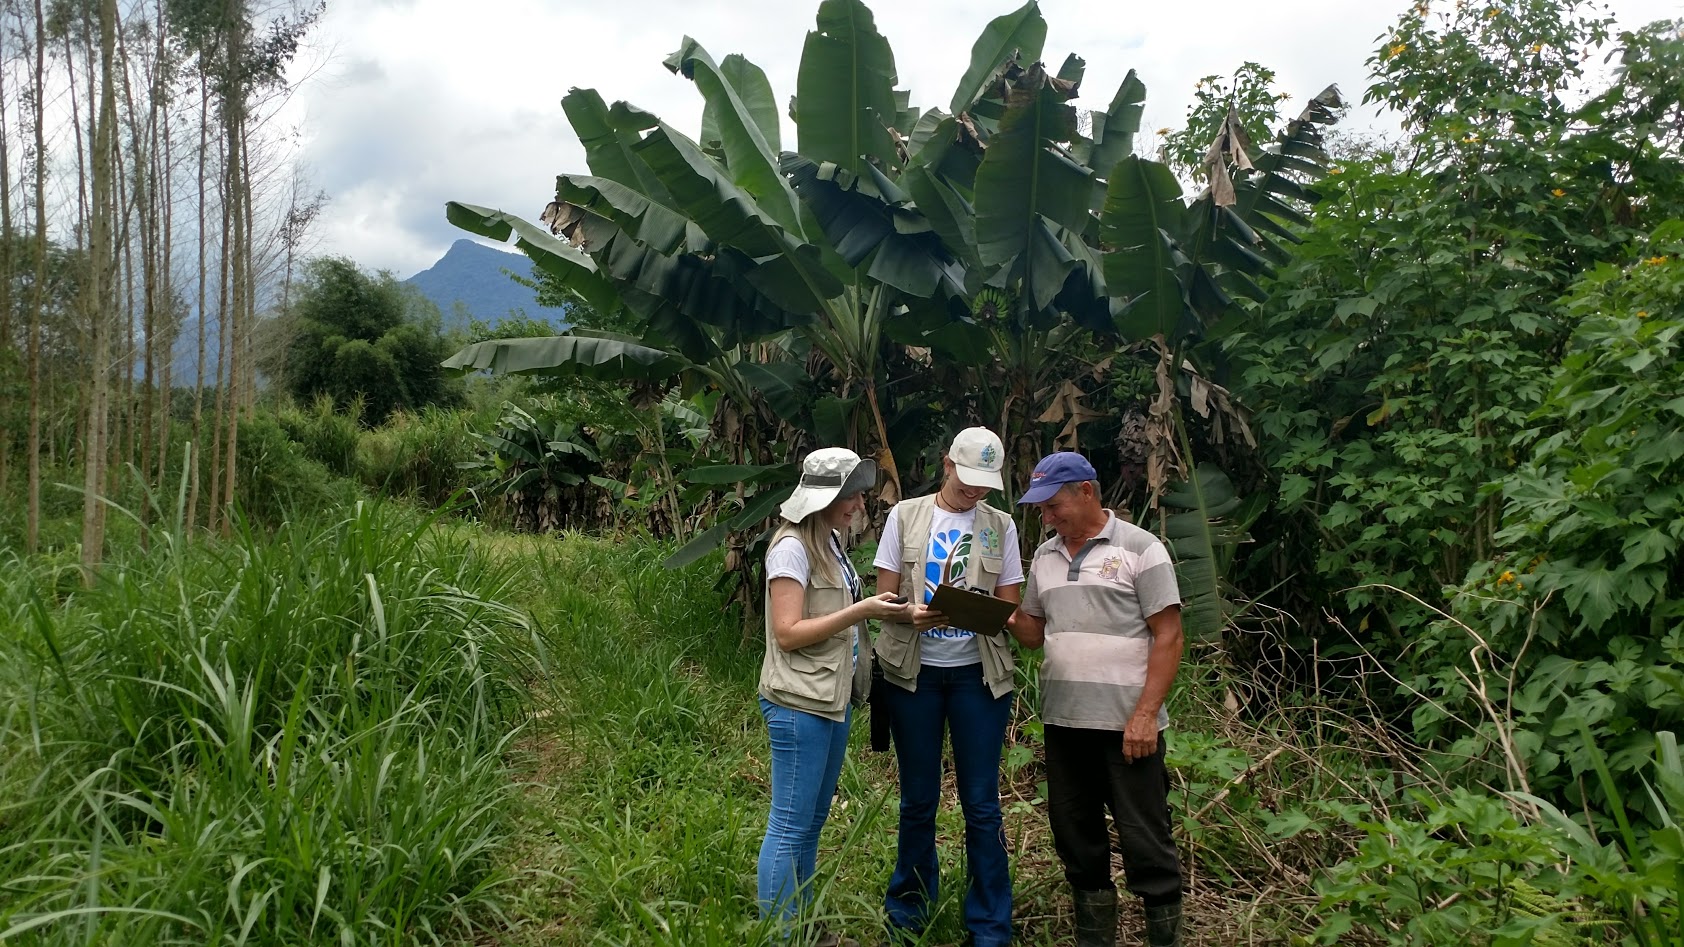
(411, 103)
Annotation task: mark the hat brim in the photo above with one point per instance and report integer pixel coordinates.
(977, 477)
(806, 501)
(1040, 492)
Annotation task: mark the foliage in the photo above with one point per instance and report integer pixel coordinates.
(281, 740)
(1584, 594)
(1248, 95)
(357, 336)
(275, 477)
(1396, 369)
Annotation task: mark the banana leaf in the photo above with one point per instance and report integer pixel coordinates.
(846, 90)
(1202, 538)
(1143, 212)
(1018, 36)
(569, 355)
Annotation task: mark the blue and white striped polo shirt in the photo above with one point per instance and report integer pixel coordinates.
(1095, 605)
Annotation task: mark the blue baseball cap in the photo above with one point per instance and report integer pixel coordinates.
(1053, 472)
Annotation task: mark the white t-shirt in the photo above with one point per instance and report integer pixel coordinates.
(788, 560)
(952, 541)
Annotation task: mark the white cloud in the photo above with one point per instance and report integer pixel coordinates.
(425, 101)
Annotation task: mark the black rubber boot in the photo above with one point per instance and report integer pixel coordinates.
(1163, 925)
(1096, 918)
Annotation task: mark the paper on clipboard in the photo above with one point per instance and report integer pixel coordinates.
(973, 611)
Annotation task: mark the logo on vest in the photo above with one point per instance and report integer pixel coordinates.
(989, 538)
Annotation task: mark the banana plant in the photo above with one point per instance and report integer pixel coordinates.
(993, 232)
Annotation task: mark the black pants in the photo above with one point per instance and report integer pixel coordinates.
(1086, 773)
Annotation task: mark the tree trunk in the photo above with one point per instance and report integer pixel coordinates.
(102, 258)
(233, 110)
(8, 350)
(32, 516)
(199, 375)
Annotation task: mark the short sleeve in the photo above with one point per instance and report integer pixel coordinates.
(1031, 604)
(1011, 558)
(1155, 585)
(888, 545)
(788, 560)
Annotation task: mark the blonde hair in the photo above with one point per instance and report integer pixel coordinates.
(814, 533)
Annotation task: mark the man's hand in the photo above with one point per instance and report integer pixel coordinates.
(1140, 739)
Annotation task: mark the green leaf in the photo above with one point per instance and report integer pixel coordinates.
(608, 135)
(755, 90)
(859, 220)
(1115, 128)
(1026, 182)
(751, 159)
(845, 90)
(761, 506)
(1202, 539)
(1017, 35)
(568, 355)
(775, 261)
(704, 542)
(571, 267)
(1142, 210)
(785, 386)
(735, 473)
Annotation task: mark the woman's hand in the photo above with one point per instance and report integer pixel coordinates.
(883, 607)
(924, 618)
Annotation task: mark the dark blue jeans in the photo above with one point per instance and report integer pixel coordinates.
(957, 702)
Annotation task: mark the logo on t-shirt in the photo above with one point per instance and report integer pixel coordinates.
(948, 561)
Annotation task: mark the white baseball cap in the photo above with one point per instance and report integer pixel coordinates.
(978, 456)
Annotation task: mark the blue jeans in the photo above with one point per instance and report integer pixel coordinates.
(957, 701)
(807, 753)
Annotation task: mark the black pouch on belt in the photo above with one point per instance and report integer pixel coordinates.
(878, 701)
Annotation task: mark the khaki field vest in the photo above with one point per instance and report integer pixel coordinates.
(899, 646)
(816, 678)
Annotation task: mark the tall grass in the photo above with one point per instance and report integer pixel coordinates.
(288, 738)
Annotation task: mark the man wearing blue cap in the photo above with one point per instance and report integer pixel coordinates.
(1102, 598)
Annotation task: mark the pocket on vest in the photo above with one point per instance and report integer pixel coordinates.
(811, 676)
(894, 646)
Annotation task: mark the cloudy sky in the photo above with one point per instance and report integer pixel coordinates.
(409, 103)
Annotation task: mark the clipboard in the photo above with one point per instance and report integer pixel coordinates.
(976, 612)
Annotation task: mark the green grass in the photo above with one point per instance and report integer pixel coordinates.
(287, 738)
(647, 785)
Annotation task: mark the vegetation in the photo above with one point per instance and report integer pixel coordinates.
(357, 337)
(468, 667)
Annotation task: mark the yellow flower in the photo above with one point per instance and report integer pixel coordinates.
(1506, 577)
(1558, 192)
(1655, 260)
(1537, 47)
(1642, 313)
(1335, 170)
(1399, 48)
(1520, 585)
(1491, 12)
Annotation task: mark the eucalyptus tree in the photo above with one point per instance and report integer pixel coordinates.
(996, 232)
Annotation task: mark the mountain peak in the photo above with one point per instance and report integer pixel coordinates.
(473, 280)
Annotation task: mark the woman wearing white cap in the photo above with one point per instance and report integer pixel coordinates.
(813, 670)
(949, 681)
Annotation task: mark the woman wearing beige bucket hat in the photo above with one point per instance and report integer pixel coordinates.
(817, 667)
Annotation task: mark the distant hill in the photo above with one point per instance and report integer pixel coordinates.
(474, 275)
